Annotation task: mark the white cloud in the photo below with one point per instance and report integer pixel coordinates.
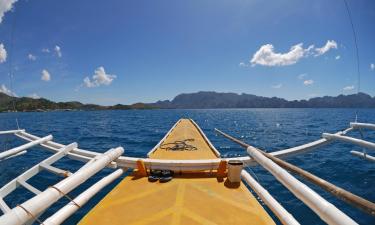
(331, 44)
(277, 86)
(34, 96)
(308, 82)
(266, 55)
(31, 57)
(338, 57)
(3, 53)
(5, 90)
(58, 51)
(46, 76)
(87, 82)
(372, 66)
(99, 78)
(242, 64)
(348, 88)
(45, 50)
(5, 6)
(302, 76)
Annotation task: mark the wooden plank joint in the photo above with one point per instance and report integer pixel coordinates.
(142, 171)
(222, 169)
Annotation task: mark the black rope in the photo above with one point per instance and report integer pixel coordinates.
(179, 146)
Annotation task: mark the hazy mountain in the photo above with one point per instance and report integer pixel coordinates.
(204, 100)
(199, 100)
(42, 104)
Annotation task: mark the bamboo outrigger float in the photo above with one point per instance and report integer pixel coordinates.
(184, 180)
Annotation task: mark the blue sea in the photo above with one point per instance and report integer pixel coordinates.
(140, 130)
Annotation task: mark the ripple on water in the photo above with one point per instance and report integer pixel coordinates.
(139, 131)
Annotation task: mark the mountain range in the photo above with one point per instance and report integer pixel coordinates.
(198, 100)
(205, 100)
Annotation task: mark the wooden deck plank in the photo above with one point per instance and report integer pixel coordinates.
(191, 198)
(185, 129)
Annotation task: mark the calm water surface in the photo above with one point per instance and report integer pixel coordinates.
(139, 131)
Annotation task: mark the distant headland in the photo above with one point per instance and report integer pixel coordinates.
(198, 100)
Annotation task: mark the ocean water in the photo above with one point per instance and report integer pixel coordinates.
(140, 130)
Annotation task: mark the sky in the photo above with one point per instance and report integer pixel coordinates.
(117, 51)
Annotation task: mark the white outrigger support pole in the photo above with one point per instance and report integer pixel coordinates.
(30, 209)
(284, 216)
(11, 131)
(363, 155)
(16, 150)
(65, 212)
(362, 125)
(325, 210)
(355, 141)
(22, 179)
(177, 165)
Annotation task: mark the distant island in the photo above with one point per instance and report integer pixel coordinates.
(199, 100)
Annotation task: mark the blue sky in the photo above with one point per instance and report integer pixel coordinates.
(142, 51)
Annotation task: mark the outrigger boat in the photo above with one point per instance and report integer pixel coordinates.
(184, 180)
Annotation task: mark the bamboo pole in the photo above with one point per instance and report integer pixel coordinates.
(363, 156)
(11, 131)
(284, 216)
(60, 216)
(363, 125)
(356, 141)
(355, 200)
(29, 210)
(22, 148)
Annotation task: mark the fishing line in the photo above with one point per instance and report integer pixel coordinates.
(356, 50)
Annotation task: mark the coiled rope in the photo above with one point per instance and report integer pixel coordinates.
(179, 146)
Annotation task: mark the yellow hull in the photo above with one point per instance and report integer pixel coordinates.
(189, 198)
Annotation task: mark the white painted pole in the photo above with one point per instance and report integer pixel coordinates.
(355, 141)
(28, 210)
(15, 155)
(65, 212)
(363, 156)
(21, 148)
(177, 165)
(284, 216)
(11, 131)
(325, 210)
(363, 125)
